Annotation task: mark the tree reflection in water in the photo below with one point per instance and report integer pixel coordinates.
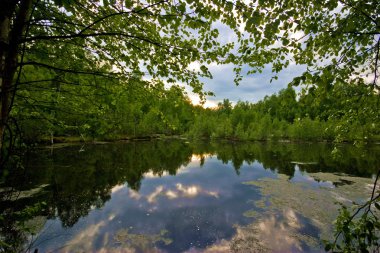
(78, 182)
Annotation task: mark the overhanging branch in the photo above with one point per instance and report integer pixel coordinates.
(89, 35)
(43, 65)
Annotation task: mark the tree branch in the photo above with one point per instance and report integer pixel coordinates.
(361, 11)
(120, 13)
(78, 35)
(354, 32)
(376, 63)
(39, 64)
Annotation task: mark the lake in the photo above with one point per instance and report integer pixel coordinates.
(181, 196)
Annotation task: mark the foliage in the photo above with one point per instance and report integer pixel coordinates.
(15, 228)
(316, 115)
(55, 54)
(358, 231)
(338, 40)
(112, 46)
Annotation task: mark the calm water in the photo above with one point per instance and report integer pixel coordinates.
(177, 196)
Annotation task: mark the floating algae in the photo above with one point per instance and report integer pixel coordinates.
(251, 214)
(140, 242)
(272, 233)
(287, 200)
(247, 240)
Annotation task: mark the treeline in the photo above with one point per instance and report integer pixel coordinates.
(340, 113)
(102, 108)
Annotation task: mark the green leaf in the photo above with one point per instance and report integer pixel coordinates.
(255, 18)
(128, 4)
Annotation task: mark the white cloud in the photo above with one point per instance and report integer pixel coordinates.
(171, 194)
(85, 240)
(195, 100)
(190, 191)
(151, 174)
(194, 66)
(151, 198)
(179, 191)
(134, 194)
(117, 188)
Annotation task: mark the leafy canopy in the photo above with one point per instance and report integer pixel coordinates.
(128, 38)
(338, 40)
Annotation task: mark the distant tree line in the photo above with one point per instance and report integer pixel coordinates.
(342, 112)
(135, 109)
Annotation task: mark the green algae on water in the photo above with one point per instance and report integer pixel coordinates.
(288, 199)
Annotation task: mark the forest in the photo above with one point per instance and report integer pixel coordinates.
(140, 110)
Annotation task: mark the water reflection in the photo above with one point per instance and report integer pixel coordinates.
(285, 231)
(94, 196)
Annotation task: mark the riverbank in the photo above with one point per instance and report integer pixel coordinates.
(82, 139)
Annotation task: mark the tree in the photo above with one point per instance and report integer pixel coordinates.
(71, 42)
(225, 107)
(338, 40)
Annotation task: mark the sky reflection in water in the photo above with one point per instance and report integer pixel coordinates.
(200, 209)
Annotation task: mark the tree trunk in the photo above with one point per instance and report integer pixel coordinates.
(13, 21)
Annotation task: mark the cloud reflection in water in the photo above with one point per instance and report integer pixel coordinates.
(180, 191)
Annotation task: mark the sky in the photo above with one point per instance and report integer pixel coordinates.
(252, 88)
